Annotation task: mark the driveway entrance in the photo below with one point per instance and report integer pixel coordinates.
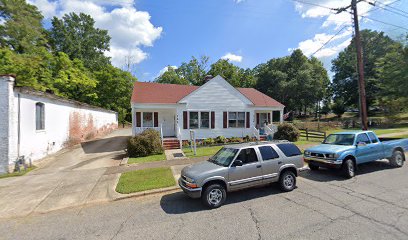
(71, 177)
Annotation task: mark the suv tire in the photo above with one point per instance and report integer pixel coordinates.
(397, 159)
(287, 181)
(313, 167)
(348, 168)
(214, 196)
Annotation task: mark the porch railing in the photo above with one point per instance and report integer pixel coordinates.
(255, 131)
(178, 135)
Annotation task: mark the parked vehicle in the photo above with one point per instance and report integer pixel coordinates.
(346, 150)
(240, 166)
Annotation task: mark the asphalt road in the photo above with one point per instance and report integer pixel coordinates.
(373, 205)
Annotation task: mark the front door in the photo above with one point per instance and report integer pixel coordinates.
(168, 120)
(249, 174)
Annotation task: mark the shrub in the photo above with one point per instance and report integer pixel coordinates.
(287, 131)
(209, 141)
(236, 140)
(145, 144)
(247, 138)
(220, 139)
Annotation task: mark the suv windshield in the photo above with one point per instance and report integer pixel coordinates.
(340, 139)
(224, 156)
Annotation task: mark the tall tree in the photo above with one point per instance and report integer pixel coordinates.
(77, 36)
(235, 75)
(22, 30)
(194, 71)
(172, 76)
(375, 46)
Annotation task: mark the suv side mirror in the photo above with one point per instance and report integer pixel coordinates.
(361, 144)
(237, 163)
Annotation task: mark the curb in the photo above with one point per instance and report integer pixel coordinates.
(145, 193)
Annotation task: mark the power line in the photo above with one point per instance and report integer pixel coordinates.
(372, 19)
(376, 8)
(327, 42)
(313, 4)
(392, 11)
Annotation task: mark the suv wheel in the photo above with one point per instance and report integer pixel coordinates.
(348, 168)
(397, 159)
(313, 167)
(214, 196)
(287, 181)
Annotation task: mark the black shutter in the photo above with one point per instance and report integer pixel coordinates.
(212, 120)
(225, 120)
(185, 120)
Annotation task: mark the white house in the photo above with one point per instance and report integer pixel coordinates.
(34, 124)
(213, 109)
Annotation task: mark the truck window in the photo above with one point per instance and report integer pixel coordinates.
(289, 149)
(372, 137)
(268, 153)
(363, 138)
(247, 155)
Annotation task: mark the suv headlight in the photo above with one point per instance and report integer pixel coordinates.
(190, 180)
(307, 153)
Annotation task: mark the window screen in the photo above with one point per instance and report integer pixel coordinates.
(289, 149)
(268, 153)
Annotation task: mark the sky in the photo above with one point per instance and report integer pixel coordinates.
(154, 34)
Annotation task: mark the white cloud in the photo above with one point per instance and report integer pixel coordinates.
(129, 28)
(238, 1)
(232, 57)
(48, 9)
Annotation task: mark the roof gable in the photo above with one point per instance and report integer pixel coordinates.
(221, 82)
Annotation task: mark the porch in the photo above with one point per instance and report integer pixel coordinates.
(266, 120)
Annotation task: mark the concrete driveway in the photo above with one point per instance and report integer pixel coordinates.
(69, 178)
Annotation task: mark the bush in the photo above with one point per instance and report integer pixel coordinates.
(145, 144)
(236, 140)
(287, 131)
(209, 141)
(338, 108)
(220, 139)
(247, 138)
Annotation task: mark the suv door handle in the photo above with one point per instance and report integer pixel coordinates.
(280, 162)
(258, 166)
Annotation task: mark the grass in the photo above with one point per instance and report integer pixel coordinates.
(151, 158)
(201, 151)
(146, 179)
(378, 131)
(16, 174)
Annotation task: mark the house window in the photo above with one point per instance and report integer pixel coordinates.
(147, 119)
(204, 119)
(194, 120)
(276, 116)
(236, 119)
(39, 116)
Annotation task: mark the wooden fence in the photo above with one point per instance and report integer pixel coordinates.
(312, 134)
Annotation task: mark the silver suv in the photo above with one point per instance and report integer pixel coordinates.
(241, 166)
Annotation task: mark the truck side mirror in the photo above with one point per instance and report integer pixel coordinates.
(361, 144)
(237, 163)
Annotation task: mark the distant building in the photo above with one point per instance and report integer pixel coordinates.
(34, 124)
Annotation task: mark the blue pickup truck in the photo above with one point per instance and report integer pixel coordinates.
(345, 150)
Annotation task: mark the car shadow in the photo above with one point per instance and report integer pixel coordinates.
(328, 175)
(104, 145)
(180, 203)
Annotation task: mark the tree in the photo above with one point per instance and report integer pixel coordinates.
(194, 71)
(77, 36)
(375, 46)
(338, 107)
(172, 76)
(235, 75)
(22, 30)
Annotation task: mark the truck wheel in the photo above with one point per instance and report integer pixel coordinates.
(287, 181)
(348, 168)
(397, 159)
(313, 167)
(214, 196)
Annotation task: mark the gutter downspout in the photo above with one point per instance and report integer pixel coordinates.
(18, 126)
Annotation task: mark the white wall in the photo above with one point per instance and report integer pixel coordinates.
(66, 122)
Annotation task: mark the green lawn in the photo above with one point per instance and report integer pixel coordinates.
(16, 174)
(377, 131)
(146, 179)
(151, 158)
(201, 151)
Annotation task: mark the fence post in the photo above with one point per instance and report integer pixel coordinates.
(307, 134)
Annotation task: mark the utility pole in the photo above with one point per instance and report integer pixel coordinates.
(360, 64)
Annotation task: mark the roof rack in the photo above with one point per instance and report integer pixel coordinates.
(265, 142)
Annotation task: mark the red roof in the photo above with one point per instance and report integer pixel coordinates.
(158, 93)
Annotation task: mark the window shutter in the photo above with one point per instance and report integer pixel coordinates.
(225, 120)
(212, 120)
(185, 120)
(257, 119)
(269, 117)
(138, 119)
(248, 123)
(156, 119)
